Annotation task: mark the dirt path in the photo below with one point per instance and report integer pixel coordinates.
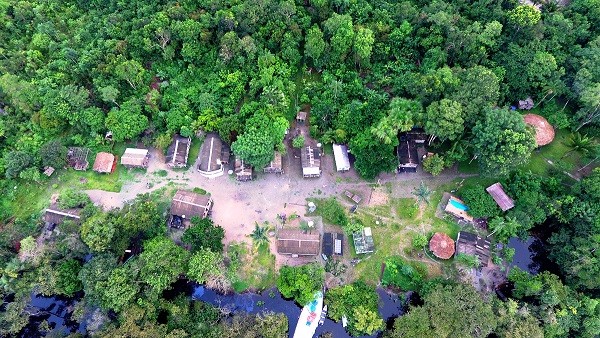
(237, 206)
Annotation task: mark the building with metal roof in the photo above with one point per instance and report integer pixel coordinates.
(340, 153)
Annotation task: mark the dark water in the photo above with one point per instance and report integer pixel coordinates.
(56, 311)
(390, 307)
(532, 255)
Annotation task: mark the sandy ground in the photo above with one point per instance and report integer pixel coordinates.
(238, 205)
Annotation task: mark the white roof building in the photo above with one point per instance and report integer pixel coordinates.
(340, 152)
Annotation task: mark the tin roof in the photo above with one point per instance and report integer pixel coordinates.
(104, 162)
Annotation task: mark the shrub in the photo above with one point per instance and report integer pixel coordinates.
(405, 275)
(434, 164)
(300, 282)
(298, 141)
(480, 203)
(332, 211)
(71, 198)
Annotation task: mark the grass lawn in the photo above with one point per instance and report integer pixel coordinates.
(553, 152)
(257, 268)
(194, 150)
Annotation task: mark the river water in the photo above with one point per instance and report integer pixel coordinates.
(532, 255)
(390, 307)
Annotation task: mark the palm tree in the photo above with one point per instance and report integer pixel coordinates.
(579, 143)
(260, 235)
(422, 192)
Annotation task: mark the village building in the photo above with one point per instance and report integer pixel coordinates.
(186, 205)
(209, 158)
(135, 158)
(502, 199)
(470, 244)
(77, 158)
(411, 150)
(526, 104)
(544, 132)
(104, 163)
(363, 241)
(178, 151)
(301, 116)
(458, 208)
(275, 166)
(333, 244)
(340, 153)
(55, 215)
(311, 161)
(295, 242)
(48, 171)
(441, 245)
(243, 171)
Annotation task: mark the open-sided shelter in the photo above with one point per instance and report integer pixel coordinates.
(77, 158)
(340, 153)
(311, 161)
(502, 199)
(243, 171)
(363, 241)
(297, 243)
(275, 166)
(178, 151)
(135, 158)
(470, 244)
(104, 162)
(441, 245)
(187, 204)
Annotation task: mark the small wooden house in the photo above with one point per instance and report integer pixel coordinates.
(410, 150)
(470, 244)
(54, 215)
(186, 205)
(502, 199)
(297, 243)
(104, 163)
(243, 171)
(311, 162)
(135, 158)
(178, 151)
(275, 167)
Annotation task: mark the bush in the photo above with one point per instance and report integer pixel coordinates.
(434, 164)
(300, 282)
(298, 141)
(72, 198)
(53, 154)
(332, 211)
(480, 203)
(419, 241)
(405, 275)
(343, 300)
(469, 261)
(17, 161)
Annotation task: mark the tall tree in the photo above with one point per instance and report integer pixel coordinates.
(502, 141)
(162, 262)
(444, 120)
(262, 134)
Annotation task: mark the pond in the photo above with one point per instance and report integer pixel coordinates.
(390, 307)
(531, 255)
(56, 311)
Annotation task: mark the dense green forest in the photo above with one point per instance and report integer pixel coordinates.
(71, 71)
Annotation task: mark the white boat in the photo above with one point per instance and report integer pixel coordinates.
(344, 321)
(309, 317)
(323, 315)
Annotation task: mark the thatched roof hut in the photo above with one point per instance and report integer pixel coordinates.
(275, 166)
(243, 171)
(544, 132)
(178, 151)
(209, 159)
(297, 243)
(104, 162)
(187, 204)
(470, 244)
(441, 245)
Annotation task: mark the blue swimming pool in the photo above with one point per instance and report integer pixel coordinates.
(458, 205)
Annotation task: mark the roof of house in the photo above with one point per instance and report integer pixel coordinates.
(77, 158)
(134, 157)
(363, 241)
(177, 153)
(333, 243)
(340, 152)
(210, 154)
(276, 164)
(470, 244)
(502, 199)
(526, 104)
(296, 242)
(441, 245)
(48, 171)
(187, 204)
(311, 157)
(544, 132)
(104, 162)
(241, 168)
(55, 215)
(301, 115)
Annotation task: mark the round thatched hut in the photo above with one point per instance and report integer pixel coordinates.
(544, 132)
(441, 245)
